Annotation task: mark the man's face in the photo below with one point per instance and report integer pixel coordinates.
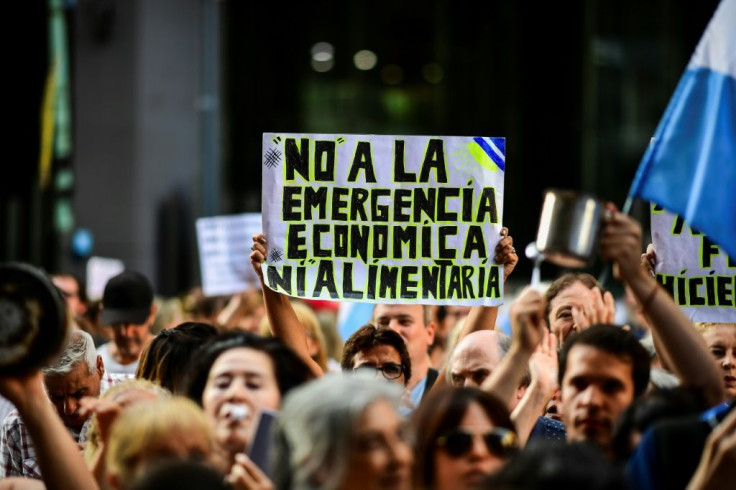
(407, 321)
(453, 314)
(66, 390)
(561, 323)
(130, 339)
(70, 290)
(474, 359)
(596, 388)
(380, 356)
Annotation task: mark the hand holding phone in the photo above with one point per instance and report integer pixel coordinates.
(260, 446)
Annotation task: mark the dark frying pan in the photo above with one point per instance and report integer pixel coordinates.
(33, 325)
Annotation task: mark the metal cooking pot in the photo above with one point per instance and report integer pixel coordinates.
(569, 227)
(33, 324)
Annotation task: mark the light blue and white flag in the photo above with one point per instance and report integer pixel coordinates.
(690, 167)
(352, 316)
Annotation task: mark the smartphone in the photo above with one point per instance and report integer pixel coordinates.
(260, 447)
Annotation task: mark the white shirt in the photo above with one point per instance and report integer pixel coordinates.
(111, 365)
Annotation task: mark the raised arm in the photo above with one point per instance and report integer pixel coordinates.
(528, 328)
(284, 323)
(484, 317)
(716, 469)
(680, 343)
(529, 333)
(544, 366)
(59, 458)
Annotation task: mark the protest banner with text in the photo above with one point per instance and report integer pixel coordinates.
(697, 273)
(400, 219)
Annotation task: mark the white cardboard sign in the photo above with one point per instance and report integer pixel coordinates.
(399, 219)
(224, 253)
(697, 273)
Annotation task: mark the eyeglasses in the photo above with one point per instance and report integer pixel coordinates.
(389, 370)
(500, 442)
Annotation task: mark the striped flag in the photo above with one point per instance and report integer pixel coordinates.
(690, 167)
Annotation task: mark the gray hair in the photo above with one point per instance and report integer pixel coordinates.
(504, 343)
(79, 348)
(314, 433)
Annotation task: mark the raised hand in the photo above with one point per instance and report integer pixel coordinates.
(544, 363)
(599, 307)
(649, 260)
(245, 475)
(527, 319)
(505, 253)
(621, 242)
(258, 254)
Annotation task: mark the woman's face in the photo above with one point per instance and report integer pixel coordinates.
(467, 469)
(240, 383)
(721, 343)
(380, 455)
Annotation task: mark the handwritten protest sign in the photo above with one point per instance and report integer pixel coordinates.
(698, 274)
(400, 219)
(224, 250)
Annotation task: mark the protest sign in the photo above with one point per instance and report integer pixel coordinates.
(698, 274)
(224, 253)
(400, 219)
(99, 270)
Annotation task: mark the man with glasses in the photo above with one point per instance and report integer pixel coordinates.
(414, 325)
(380, 350)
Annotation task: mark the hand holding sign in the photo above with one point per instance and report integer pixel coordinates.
(696, 273)
(649, 260)
(258, 254)
(506, 253)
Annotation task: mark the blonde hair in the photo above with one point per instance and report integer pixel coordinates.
(93, 437)
(705, 326)
(309, 320)
(142, 424)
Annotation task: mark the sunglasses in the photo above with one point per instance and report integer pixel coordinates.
(389, 370)
(500, 442)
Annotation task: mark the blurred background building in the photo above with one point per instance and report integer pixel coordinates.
(166, 101)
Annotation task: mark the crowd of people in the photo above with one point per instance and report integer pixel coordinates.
(257, 391)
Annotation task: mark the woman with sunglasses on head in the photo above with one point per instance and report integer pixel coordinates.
(461, 436)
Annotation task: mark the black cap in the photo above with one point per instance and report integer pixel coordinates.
(127, 299)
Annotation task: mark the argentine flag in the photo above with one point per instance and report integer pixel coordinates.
(690, 167)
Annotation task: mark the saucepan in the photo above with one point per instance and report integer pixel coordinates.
(33, 324)
(569, 227)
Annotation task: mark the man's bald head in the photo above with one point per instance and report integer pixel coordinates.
(475, 357)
